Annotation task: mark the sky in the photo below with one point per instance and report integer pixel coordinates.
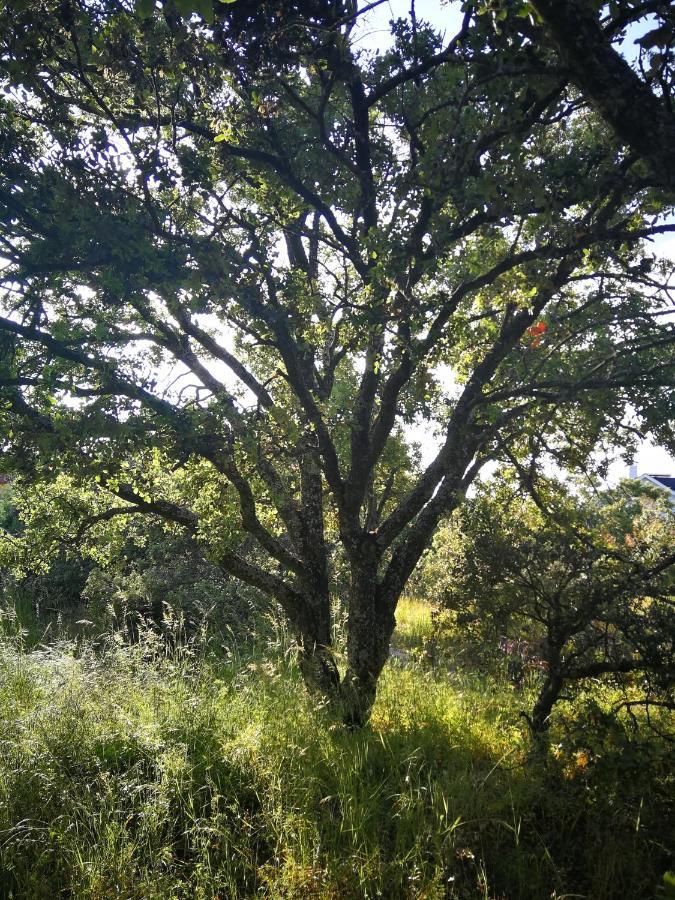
(373, 28)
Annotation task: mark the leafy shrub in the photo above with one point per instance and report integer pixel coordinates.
(572, 588)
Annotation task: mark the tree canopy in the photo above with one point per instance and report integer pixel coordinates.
(244, 246)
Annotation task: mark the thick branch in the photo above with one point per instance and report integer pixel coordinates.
(635, 113)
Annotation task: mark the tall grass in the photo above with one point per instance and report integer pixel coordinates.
(125, 775)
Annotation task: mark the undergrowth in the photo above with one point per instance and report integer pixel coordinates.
(128, 775)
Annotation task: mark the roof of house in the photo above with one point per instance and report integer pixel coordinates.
(663, 481)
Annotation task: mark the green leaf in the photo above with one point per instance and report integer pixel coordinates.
(669, 884)
(186, 7)
(219, 137)
(205, 10)
(145, 8)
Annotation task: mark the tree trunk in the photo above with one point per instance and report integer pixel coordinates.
(370, 625)
(318, 668)
(317, 663)
(548, 696)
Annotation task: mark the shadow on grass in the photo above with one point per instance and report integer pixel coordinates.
(124, 779)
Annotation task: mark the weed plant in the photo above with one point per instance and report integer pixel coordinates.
(127, 774)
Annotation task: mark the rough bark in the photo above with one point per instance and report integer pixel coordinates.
(548, 696)
(625, 102)
(371, 622)
(318, 668)
(370, 629)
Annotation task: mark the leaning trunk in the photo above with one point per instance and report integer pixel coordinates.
(552, 686)
(548, 696)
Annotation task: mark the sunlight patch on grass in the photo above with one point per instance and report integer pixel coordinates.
(413, 623)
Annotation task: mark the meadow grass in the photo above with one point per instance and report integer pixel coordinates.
(413, 621)
(125, 775)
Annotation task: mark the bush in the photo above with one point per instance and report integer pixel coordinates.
(574, 588)
(167, 584)
(152, 577)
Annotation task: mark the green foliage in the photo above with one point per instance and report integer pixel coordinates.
(10, 523)
(470, 166)
(69, 569)
(581, 585)
(190, 778)
(165, 583)
(243, 252)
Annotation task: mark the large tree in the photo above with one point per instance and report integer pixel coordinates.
(326, 242)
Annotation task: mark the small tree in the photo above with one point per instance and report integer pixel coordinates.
(586, 585)
(234, 236)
